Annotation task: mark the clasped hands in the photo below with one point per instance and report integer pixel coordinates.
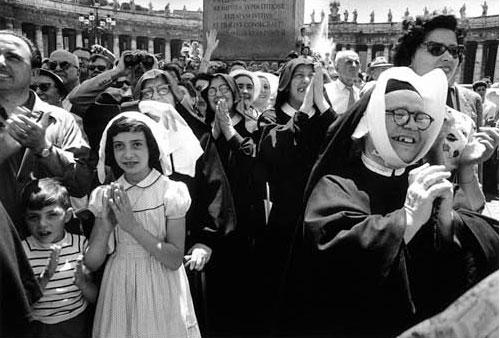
(117, 208)
(314, 95)
(28, 129)
(426, 184)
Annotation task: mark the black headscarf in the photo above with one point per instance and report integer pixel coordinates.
(286, 78)
(234, 90)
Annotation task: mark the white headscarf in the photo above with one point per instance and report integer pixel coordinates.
(255, 79)
(432, 87)
(169, 143)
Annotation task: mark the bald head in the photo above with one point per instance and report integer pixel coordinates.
(66, 65)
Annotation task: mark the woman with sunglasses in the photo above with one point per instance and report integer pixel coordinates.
(384, 247)
(437, 42)
(49, 87)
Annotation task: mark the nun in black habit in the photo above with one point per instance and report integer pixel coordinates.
(383, 247)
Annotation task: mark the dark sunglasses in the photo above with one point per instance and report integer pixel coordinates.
(100, 67)
(43, 86)
(438, 49)
(119, 84)
(64, 65)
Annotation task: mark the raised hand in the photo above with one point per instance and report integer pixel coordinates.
(212, 41)
(51, 266)
(318, 83)
(27, 131)
(80, 277)
(120, 204)
(223, 119)
(108, 216)
(481, 147)
(308, 103)
(426, 184)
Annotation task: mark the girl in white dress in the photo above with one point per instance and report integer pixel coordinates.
(140, 223)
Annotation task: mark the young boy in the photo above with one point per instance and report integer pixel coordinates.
(56, 258)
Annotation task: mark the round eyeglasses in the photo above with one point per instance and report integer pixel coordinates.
(162, 90)
(401, 117)
(223, 89)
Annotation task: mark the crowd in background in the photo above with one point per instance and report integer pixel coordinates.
(201, 197)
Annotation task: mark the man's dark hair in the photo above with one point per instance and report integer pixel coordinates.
(201, 76)
(41, 193)
(173, 67)
(189, 86)
(415, 33)
(36, 56)
(477, 84)
(238, 63)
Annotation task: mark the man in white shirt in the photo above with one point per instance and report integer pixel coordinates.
(490, 109)
(342, 93)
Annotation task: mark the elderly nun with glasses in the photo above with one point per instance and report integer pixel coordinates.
(382, 246)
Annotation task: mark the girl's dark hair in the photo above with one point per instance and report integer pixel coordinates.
(415, 32)
(126, 124)
(41, 193)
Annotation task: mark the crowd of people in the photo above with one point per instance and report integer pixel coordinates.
(145, 198)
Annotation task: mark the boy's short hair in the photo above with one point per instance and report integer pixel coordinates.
(41, 193)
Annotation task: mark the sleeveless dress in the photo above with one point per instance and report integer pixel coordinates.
(139, 296)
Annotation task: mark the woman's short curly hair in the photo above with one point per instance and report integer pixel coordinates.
(415, 32)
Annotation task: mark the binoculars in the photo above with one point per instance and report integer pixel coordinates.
(134, 59)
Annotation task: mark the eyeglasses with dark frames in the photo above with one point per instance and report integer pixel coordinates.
(101, 68)
(43, 86)
(438, 49)
(401, 117)
(64, 65)
(120, 84)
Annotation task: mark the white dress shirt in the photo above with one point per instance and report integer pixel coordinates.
(338, 94)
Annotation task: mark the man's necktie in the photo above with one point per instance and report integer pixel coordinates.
(352, 100)
(449, 98)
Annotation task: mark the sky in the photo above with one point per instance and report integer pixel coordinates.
(363, 7)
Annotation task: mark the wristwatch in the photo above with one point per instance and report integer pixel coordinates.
(45, 152)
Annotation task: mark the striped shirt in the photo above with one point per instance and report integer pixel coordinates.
(62, 299)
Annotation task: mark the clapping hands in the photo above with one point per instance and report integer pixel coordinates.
(314, 95)
(426, 184)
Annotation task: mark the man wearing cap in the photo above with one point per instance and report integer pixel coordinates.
(99, 63)
(376, 67)
(49, 87)
(342, 92)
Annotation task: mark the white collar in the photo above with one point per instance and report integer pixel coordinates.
(379, 168)
(147, 181)
(290, 111)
